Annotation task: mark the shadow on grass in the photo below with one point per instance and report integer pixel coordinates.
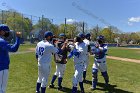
(109, 88)
(68, 90)
(65, 90)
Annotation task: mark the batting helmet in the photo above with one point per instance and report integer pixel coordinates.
(4, 27)
(48, 33)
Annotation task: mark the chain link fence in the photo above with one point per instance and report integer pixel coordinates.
(32, 27)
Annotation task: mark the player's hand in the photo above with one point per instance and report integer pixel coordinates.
(18, 34)
(96, 44)
(66, 41)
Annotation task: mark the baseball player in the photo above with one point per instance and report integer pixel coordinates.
(87, 42)
(5, 47)
(44, 50)
(99, 50)
(61, 61)
(79, 53)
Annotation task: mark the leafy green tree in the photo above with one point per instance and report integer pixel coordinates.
(43, 23)
(69, 30)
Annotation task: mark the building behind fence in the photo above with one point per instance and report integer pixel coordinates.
(24, 23)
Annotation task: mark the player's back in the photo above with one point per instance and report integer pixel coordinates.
(86, 41)
(82, 48)
(44, 50)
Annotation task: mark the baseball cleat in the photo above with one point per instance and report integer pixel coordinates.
(92, 88)
(60, 88)
(37, 91)
(51, 86)
(82, 91)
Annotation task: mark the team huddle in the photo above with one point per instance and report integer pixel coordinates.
(62, 50)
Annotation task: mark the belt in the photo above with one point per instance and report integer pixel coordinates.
(100, 62)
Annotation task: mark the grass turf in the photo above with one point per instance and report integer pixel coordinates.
(124, 52)
(124, 76)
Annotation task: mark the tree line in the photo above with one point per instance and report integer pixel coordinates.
(27, 24)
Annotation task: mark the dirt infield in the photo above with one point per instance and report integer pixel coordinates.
(123, 59)
(31, 49)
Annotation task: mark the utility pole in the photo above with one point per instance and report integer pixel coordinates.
(2, 21)
(83, 26)
(22, 27)
(14, 27)
(52, 21)
(14, 20)
(97, 31)
(42, 22)
(65, 28)
(31, 22)
(110, 34)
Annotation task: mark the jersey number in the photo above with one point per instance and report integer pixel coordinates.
(41, 50)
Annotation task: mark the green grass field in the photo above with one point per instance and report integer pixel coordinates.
(124, 52)
(124, 76)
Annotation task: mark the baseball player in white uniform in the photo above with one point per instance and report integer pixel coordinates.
(99, 50)
(87, 42)
(79, 53)
(44, 50)
(61, 61)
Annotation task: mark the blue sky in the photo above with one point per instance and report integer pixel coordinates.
(123, 14)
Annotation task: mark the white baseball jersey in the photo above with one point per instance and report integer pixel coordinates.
(82, 48)
(86, 41)
(44, 50)
(100, 58)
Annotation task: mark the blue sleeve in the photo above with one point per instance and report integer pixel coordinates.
(76, 52)
(13, 48)
(36, 56)
(105, 49)
(70, 55)
(59, 51)
(36, 52)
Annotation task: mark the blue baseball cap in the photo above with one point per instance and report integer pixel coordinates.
(101, 37)
(48, 33)
(81, 35)
(88, 35)
(4, 27)
(62, 35)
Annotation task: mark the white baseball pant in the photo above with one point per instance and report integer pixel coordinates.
(3, 80)
(78, 75)
(43, 74)
(60, 69)
(100, 64)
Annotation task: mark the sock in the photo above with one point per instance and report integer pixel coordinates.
(38, 85)
(60, 81)
(43, 89)
(84, 75)
(94, 83)
(53, 79)
(81, 86)
(74, 89)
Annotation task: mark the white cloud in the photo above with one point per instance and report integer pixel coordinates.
(130, 23)
(106, 26)
(134, 19)
(70, 21)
